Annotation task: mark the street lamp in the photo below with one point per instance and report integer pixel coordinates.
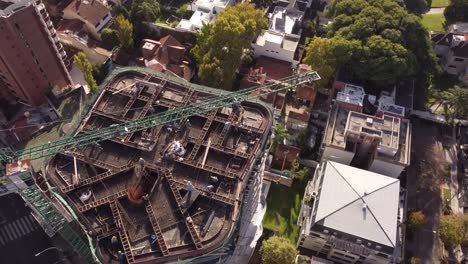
(47, 249)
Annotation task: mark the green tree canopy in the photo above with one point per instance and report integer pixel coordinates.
(109, 38)
(457, 99)
(124, 32)
(324, 55)
(388, 43)
(281, 133)
(85, 67)
(220, 45)
(416, 219)
(278, 250)
(418, 6)
(453, 229)
(144, 10)
(457, 11)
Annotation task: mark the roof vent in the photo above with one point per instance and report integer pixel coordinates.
(364, 207)
(313, 194)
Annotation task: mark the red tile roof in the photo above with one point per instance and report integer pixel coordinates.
(306, 92)
(290, 152)
(274, 69)
(170, 57)
(264, 70)
(92, 11)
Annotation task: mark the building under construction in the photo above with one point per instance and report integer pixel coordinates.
(171, 192)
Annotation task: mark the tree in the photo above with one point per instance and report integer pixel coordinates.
(451, 230)
(457, 99)
(109, 38)
(99, 72)
(85, 67)
(416, 219)
(296, 173)
(281, 133)
(220, 45)
(124, 32)
(144, 10)
(418, 6)
(392, 44)
(278, 250)
(457, 11)
(120, 10)
(324, 55)
(415, 260)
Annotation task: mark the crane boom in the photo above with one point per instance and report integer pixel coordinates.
(116, 130)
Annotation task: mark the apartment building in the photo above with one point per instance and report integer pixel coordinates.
(380, 142)
(349, 215)
(281, 39)
(32, 59)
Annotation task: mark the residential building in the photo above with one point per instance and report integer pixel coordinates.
(281, 39)
(95, 14)
(166, 55)
(379, 143)
(31, 55)
(349, 215)
(460, 27)
(205, 12)
(452, 51)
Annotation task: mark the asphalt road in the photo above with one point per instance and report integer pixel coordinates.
(21, 237)
(424, 177)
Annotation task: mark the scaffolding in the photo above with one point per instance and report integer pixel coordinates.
(159, 119)
(55, 222)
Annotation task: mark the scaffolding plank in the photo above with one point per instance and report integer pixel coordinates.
(218, 197)
(156, 228)
(122, 232)
(99, 177)
(102, 201)
(187, 218)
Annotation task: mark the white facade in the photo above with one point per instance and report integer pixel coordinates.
(205, 12)
(281, 39)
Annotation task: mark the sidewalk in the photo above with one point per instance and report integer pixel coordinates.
(452, 183)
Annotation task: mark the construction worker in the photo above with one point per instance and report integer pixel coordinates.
(114, 243)
(121, 257)
(214, 179)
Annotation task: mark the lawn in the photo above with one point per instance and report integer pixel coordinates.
(434, 22)
(283, 206)
(440, 3)
(69, 111)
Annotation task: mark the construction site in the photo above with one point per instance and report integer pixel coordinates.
(165, 193)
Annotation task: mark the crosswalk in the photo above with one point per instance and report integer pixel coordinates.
(14, 230)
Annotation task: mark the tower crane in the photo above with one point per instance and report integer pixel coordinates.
(121, 129)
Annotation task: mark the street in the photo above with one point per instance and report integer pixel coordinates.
(424, 177)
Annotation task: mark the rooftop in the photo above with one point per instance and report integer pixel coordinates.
(366, 207)
(351, 94)
(283, 20)
(92, 11)
(392, 133)
(188, 188)
(289, 43)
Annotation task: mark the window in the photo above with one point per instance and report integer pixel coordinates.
(267, 50)
(459, 59)
(452, 66)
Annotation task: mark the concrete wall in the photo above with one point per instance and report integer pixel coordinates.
(338, 155)
(273, 50)
(455, 65)
(386, 168)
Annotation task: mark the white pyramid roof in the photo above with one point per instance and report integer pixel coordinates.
(346, 191)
